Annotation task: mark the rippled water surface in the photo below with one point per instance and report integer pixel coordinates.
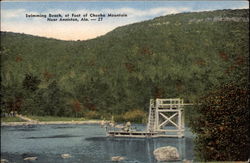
(85, 143)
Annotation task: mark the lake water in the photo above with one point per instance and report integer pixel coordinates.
(85, 143)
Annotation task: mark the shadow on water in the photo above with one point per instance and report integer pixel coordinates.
(21, 128)
(63, 127)
(53, 136)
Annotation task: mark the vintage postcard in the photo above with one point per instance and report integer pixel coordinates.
(124, 81)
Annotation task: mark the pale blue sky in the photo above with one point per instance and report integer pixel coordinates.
(143, 5)
(13, 15)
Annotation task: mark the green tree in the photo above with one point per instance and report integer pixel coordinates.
(222, 127)
(53, 100)
(31, 82)
(47, 101)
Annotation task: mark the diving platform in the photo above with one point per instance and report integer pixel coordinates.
(165, 119)
(139, 134)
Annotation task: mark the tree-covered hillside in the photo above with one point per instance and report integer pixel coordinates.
(183, 55)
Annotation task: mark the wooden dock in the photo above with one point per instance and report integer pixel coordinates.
(139, 134)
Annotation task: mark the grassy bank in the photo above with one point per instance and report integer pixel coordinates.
(51, 118)
(11, 119)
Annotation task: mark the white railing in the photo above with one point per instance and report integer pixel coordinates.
(173, 103)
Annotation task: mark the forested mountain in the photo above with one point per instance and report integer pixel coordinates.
(182, 55)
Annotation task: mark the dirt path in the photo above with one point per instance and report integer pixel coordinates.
(25, 118)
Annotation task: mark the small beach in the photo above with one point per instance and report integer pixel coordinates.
(51, 122)
(20, 120)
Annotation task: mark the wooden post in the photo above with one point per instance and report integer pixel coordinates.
(183, 121)
(157, 114)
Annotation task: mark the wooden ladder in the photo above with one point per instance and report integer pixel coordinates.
(151, 117)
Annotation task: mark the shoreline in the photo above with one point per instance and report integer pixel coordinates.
(101, 122)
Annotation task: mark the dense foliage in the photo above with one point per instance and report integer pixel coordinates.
(222, 126)
(135, 115)
(182, 55)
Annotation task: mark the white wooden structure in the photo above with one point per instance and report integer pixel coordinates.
(166, 117)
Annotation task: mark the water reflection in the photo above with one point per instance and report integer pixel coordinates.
(140, 149)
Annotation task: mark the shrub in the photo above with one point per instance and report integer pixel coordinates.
(119, 118)
(92, 115)
(222, 127)
(135, 115)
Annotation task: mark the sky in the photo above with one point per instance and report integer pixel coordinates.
(13, 15)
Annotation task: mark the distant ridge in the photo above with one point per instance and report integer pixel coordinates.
(181, 55)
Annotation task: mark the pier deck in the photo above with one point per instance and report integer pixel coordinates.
(140, 134)
(131, 134)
